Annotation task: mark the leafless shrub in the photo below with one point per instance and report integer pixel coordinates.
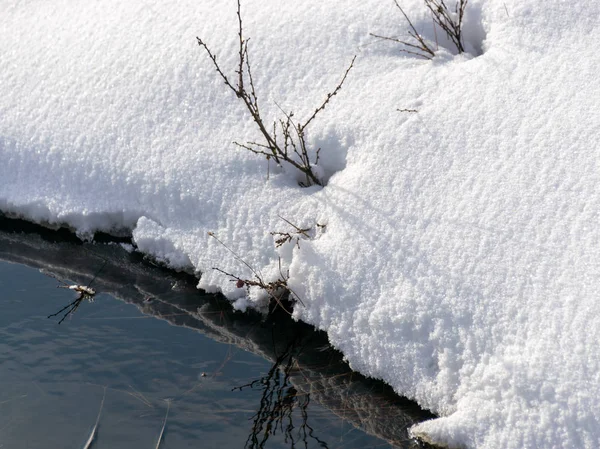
(290, 145)
(450, 22)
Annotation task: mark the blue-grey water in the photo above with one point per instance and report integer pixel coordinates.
(150, 343)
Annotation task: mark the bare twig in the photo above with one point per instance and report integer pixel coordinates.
(329, 96)
(420, 48)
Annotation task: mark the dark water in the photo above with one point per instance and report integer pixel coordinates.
(151, 343)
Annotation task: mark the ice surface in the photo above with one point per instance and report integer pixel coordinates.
(459, 261)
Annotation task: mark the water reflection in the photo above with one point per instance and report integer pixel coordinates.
(83, 292)
(305, 369)
(282, 409)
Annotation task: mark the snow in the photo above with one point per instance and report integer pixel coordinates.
(459, 256)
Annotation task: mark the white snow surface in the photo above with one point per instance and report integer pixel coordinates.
(460, 260)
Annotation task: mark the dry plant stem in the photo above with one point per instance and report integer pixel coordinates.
(293, 150)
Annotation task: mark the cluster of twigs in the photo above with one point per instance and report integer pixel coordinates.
(450, 22)
(278, 291)
(290, 146)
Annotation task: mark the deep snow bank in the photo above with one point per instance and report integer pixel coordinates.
(460, 258)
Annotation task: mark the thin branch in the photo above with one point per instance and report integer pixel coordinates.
(243, 49)
(329, 96)
(162, 431)
(214, 60)
(415, 34)
(408, 44)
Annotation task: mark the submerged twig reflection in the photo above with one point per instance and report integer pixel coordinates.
(83, 292)
(278, 401)
(73, 306)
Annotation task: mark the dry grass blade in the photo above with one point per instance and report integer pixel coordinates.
(92, 436)
(162, 431)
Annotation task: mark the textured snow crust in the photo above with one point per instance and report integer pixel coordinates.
(460, 256)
